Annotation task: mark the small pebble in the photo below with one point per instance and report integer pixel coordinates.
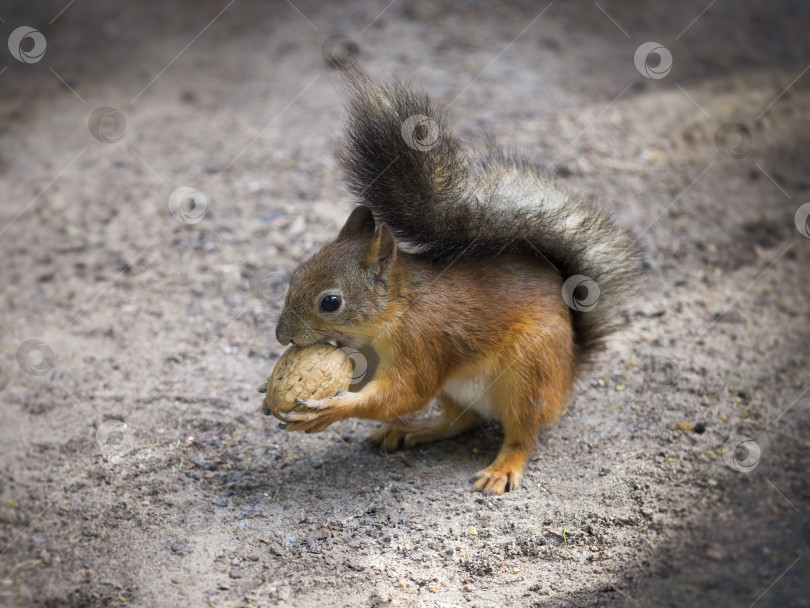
(700, 428)
(289, 542)
(178, 546)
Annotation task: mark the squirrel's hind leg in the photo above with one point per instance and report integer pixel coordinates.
(453, 420)
(527, 394)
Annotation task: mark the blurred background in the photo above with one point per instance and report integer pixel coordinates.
(164, 166)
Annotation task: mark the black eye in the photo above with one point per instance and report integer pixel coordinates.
(330, 303)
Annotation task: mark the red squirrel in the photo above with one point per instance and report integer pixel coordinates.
(476, 280)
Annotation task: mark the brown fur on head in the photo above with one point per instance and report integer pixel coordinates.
(356, 268)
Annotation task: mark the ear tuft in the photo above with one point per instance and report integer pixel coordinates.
(388, 245)
(359, 224)
(380, 254)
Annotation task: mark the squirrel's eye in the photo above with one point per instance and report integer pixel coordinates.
(330, 303)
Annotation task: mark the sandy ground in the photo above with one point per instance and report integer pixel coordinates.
(136, 468)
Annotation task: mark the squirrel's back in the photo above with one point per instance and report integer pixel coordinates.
(402, 160)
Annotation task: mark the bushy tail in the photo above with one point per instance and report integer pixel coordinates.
(402, 160)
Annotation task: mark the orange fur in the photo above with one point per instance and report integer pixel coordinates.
(506, 343)
(478, 317)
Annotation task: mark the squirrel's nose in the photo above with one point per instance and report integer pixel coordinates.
(282, 335)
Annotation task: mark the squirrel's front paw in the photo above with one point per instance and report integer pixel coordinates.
(311, 415)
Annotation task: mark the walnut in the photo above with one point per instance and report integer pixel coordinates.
(318, 371)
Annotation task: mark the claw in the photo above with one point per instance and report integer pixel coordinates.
(300, 401)
(262, 388)
(283, 425)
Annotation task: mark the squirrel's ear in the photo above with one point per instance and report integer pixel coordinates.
(360, 223)
(380, 253)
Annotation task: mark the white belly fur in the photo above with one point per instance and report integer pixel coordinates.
(472, 392)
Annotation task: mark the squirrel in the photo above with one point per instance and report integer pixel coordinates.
(476, 280)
